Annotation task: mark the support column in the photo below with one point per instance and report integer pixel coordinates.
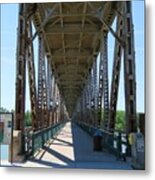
(115, 74)
(90, 97)
(50, 91)
(95, 83)
(42, 88)
(21, 74)
(32, 82)
(84, 106)
(103, 83)
(45, 96)
(129, 68)
(53, 99)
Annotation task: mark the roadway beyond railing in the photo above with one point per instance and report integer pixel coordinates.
(36, 140)
(115, 142)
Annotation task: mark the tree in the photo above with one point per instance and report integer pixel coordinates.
(28, 118)
(3, 110)
(120, 120)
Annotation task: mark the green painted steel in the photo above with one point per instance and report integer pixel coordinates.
(111, 141)
(1, 136)
(40, 138)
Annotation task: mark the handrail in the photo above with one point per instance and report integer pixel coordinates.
(36, 140)
(113, 142)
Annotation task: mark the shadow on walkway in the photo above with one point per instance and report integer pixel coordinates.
(73, 148)
(83, 147)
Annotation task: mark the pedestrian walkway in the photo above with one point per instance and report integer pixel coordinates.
(73, 148)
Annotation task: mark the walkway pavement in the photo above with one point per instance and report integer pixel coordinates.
(73, 148)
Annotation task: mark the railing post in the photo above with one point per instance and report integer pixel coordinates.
(42, 137)
(32, 144)
(119, 145)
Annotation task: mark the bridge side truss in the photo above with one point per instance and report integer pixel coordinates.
(47, 106)
(94, 107)
(100, 109)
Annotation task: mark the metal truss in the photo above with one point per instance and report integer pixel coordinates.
(103, 96)
(31, 74)
(73, 78)
(124, 49)
(21, 72)
(129, 68)
(126, 33)
(115, 74)
(40, 100)
(42, 91)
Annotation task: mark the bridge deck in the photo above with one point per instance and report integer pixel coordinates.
(73, 148)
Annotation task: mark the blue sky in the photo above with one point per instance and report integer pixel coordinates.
(9, 20)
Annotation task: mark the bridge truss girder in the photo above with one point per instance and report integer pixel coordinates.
(48, 101)
(47, 106)
(124, 49)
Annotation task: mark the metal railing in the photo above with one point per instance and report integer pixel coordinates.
(1, 136)
(115, 142)
(34, 141)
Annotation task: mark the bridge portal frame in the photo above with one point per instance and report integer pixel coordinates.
(124, 45)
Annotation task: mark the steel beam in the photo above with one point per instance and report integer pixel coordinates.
(21, 74)
(105, 80)
(95, 98)
(115, 75)
(31, 74)
(129, 68)
(103, 97)
(42, 87)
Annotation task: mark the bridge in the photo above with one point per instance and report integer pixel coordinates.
(69, 94)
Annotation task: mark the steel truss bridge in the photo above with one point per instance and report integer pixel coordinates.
(70, 83)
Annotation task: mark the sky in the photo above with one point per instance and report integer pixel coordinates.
(9, 21)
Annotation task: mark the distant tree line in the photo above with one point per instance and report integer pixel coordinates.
(3, 110)
(120, 118)
(28, 119)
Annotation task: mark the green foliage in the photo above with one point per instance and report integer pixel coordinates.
(120, 120)
(4, 110)
(28, 118)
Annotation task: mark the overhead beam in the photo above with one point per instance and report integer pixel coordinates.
(71, 28)
(102, 19)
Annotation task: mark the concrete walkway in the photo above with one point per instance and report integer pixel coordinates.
(73, 148)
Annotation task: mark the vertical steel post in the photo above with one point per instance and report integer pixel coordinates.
(42, 87)
(53, 99)
(103, 84)
(95, 93)
(44, 93)
(31, 74)
(115, 74)
(89, 86)
(21, 74)
(49, 94)
(105, 80)
(129, 68)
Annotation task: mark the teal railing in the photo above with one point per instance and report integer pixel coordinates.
(1, 136)
(38, 139)
(116, 142)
